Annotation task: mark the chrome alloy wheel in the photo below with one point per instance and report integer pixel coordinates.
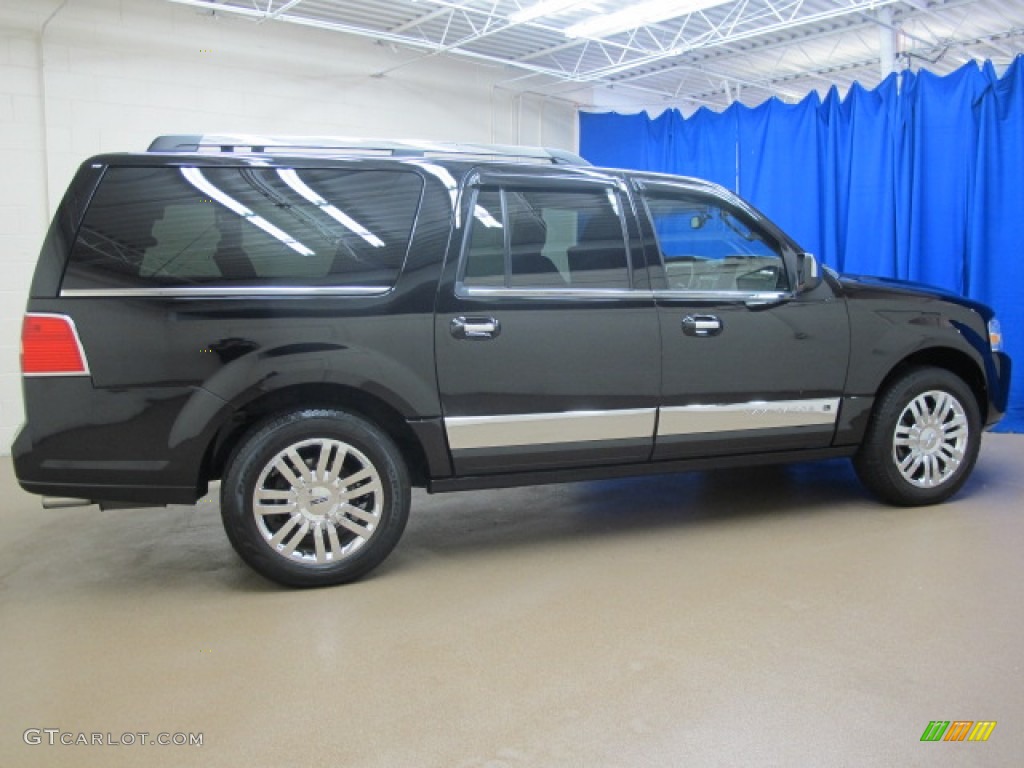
(930, 439)
(318, 501)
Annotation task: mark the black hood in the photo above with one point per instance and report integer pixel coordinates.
(868, 285)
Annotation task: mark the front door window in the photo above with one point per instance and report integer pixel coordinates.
(709, 247)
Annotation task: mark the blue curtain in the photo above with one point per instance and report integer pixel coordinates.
(921, 178)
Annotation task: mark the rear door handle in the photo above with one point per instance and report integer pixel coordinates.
(475, 327)
(702, 325)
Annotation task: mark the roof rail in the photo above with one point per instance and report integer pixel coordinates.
(333, 145)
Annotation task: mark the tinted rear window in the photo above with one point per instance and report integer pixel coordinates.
(245, 226)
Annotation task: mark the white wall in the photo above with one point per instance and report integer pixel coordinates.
(89, 76)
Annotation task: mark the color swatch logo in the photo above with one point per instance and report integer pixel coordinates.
(958, 730)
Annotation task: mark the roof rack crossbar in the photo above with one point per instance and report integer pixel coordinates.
(231, 143)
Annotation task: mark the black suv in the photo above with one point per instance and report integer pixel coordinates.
(322, 324)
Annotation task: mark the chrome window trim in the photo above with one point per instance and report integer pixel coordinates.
(578, 176)
(231, 290)
(505, 431)
(765, 296)
(481, 291)
(754, 414)
(53, 375)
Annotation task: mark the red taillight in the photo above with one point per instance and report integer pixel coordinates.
(50, 347)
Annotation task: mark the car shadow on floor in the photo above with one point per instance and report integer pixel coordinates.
(484, 520)
(137, 550)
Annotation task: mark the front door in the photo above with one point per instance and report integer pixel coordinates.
(750, 363)
(546, 332)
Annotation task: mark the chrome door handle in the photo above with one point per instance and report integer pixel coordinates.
(702, 325)
(475, 327)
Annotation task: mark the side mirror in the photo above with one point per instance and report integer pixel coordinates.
(808, 272)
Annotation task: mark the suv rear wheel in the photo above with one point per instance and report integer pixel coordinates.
(923, 439)
(315, 497)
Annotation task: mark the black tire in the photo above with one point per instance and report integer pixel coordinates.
(939, 439)
(333, 447)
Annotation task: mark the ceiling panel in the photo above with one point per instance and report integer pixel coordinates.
(746, 50)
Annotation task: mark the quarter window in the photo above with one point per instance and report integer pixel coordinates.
(546, 239)
(245, 226)
(706, 246)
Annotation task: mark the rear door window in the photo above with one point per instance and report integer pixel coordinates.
(167, 227)
(549, 239)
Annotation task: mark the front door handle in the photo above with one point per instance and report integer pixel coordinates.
(702, 325)
(475, 327)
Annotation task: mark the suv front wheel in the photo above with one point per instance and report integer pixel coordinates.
(315, 497)
(923, 438)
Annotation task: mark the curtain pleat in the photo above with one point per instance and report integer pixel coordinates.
(921, 178)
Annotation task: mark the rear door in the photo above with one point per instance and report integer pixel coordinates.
(750, 363)
(547, 338)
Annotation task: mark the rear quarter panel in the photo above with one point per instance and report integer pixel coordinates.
(168, 372)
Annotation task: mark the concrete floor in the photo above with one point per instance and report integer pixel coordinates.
(763, 617)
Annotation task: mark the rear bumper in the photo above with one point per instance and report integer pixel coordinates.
(120, 482)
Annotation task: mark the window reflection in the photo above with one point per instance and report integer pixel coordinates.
(291, 177)
(484, 217)
(195, 177)
(228, 224)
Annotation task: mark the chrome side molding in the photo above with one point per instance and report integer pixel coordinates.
(509, 430)
(774, 414)
(504, 431)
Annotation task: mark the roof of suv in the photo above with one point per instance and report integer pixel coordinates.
(316, 151)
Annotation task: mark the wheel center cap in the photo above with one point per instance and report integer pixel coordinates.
(929, 439)
(317, 502)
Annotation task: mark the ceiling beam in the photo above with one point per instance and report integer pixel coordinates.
(726, 39)
(688, 58)
(867, 21)
(283, 9)
(372, 34)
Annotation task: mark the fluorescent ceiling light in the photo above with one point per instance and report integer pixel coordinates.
(638, 15)
(543, 8)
